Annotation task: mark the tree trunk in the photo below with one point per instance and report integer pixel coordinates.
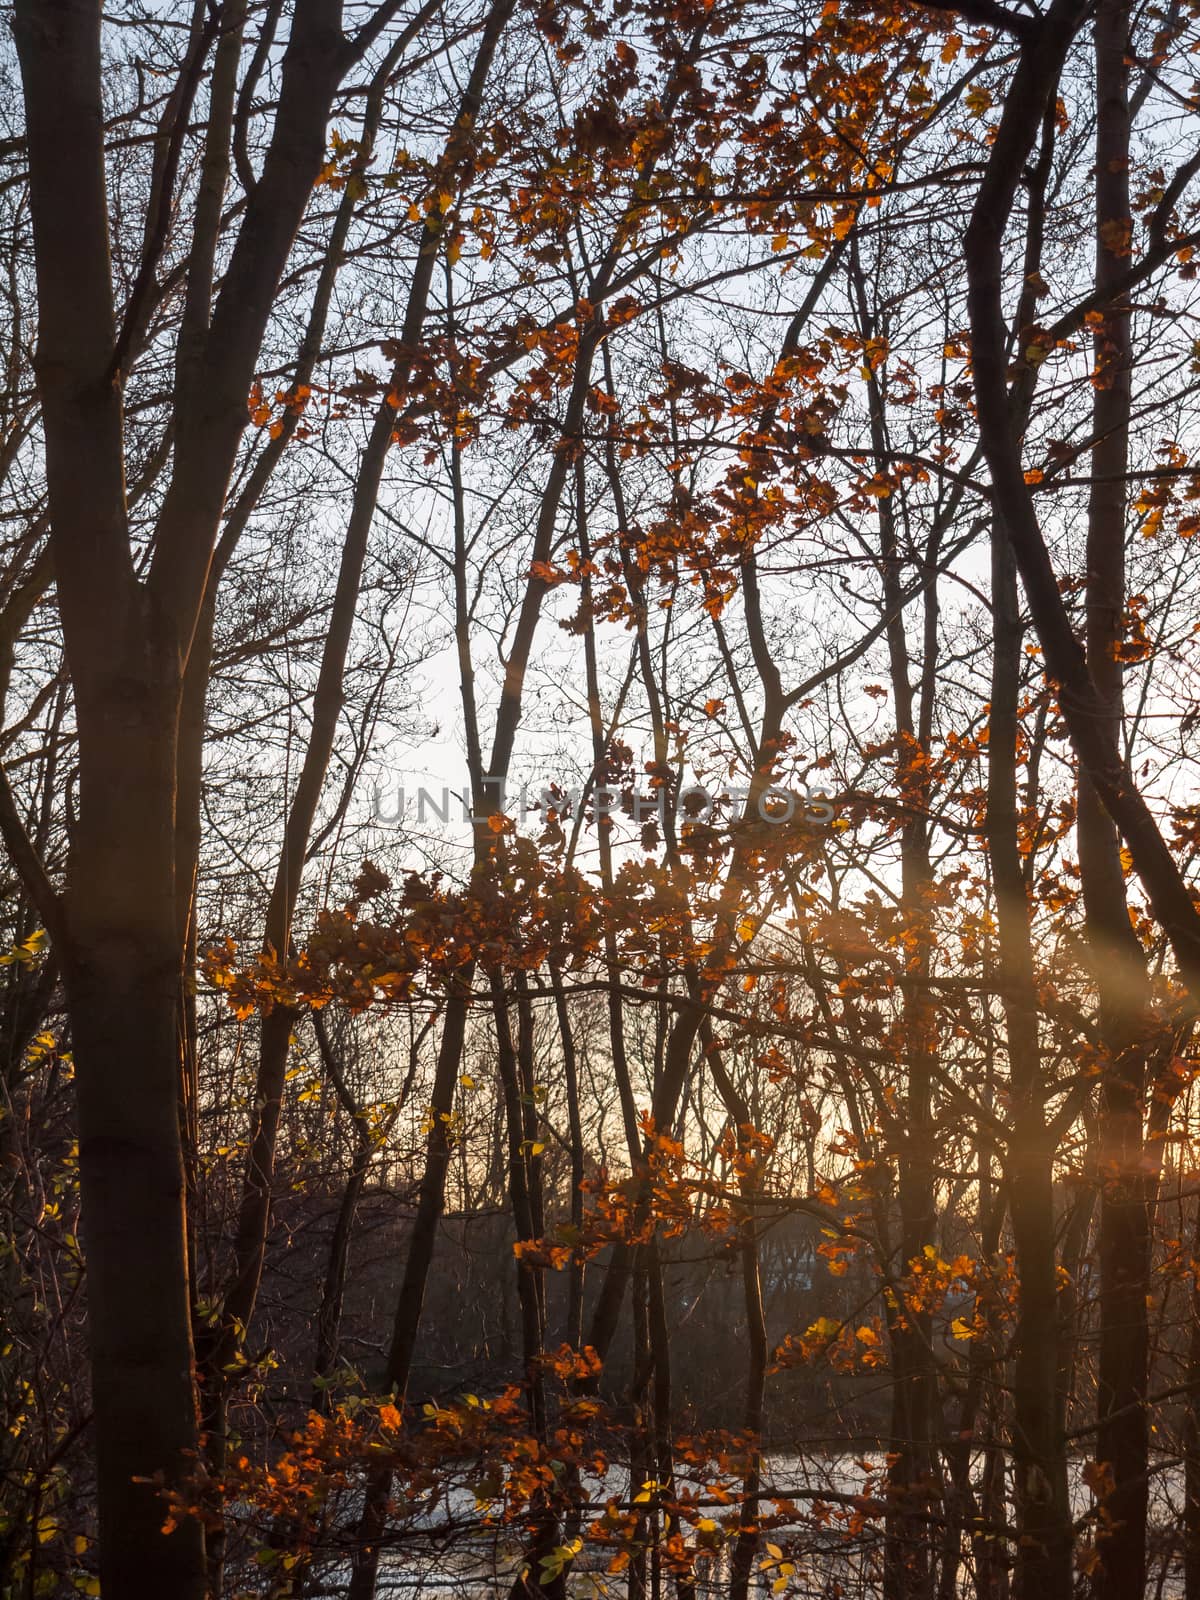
(430, 1202)
(758, 1351)
(124, 985)
(1039, 1445)
(577, 1270)
(908, 1567)
(122, 931)
(1124, 1236)
(1191, 1436)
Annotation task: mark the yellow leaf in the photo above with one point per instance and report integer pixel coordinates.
(978, 100)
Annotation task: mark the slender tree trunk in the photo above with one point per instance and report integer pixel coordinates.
(333, 1288)
(908, 1567)
(970, 1510)
(521, 1199)
(757, 1352)
(1039, 1444)
(1072, 1253)
(1124, 1232)
(578, 1267)
(430, 1203)
(641, 1457)
(516, 1078)
(664, 1443)
(1191, 1435)
(606, 1313)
